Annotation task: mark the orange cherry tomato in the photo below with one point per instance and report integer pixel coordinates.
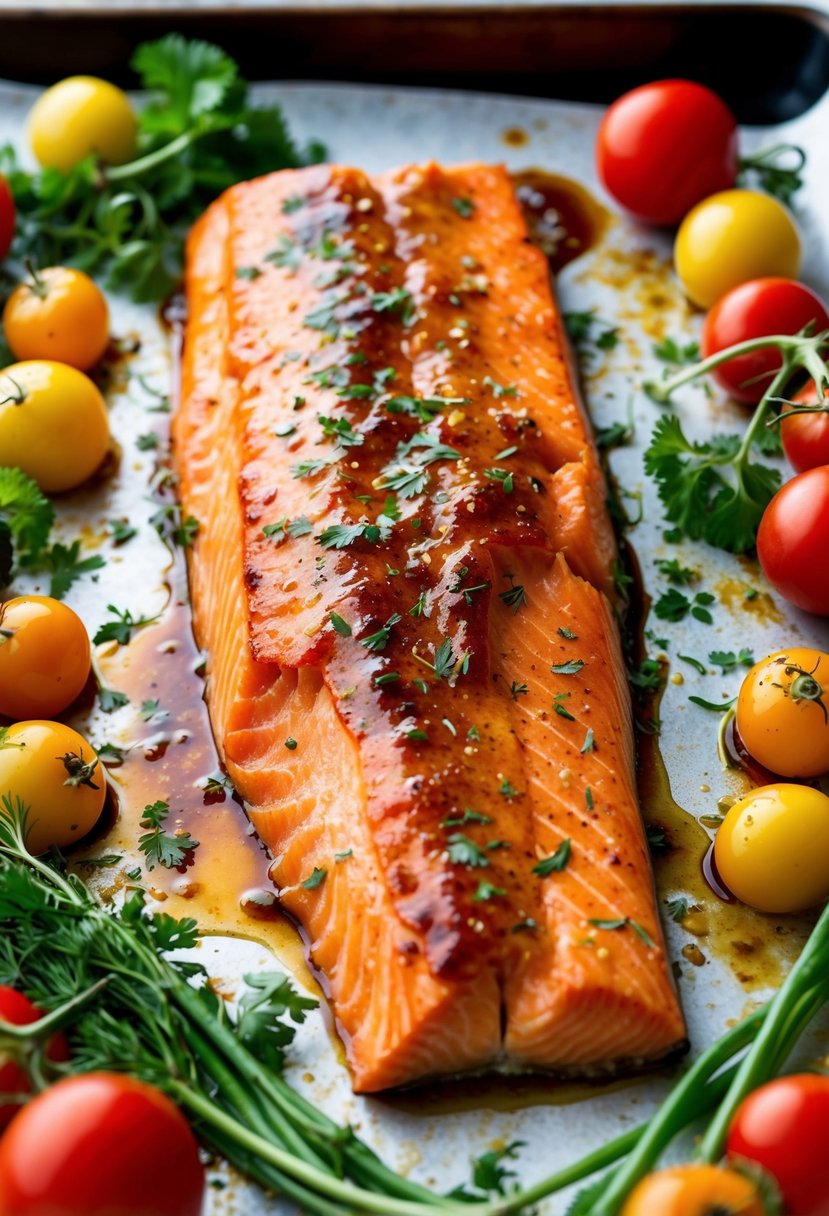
(695, 1190)
(783, 712)
(60, 314)
(44, 657)
(54, 772)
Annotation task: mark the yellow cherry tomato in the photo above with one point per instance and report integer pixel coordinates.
(732, 237)
(54, 772)
(44, 657)
(695, 1190)
(61, 314)
(772, 848)
(783, 712)
(79, 117)
(53, 423)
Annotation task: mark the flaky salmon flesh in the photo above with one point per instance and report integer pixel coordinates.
(403, 579)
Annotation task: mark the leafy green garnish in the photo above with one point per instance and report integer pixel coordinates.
(197, 136)
(697, 495)
(672, 605)
(67, 566)
(555, 862)
(120, 630)
(159, 846)
(26, 518)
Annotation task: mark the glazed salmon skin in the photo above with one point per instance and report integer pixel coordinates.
(403, 581)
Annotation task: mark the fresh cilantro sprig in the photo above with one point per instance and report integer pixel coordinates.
(197, 135)
(715, 490)
(159, 846)
(26, 518)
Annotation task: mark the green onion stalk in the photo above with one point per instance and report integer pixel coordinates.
(106, 979)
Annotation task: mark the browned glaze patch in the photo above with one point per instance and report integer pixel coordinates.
(564, 219)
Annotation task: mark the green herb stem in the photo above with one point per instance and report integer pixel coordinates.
(134, 168)
(802, 995)
(673, 1115)
(355, 1198)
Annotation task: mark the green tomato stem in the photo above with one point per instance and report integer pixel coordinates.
(758, 420)
(50, 1022)
(662, 390)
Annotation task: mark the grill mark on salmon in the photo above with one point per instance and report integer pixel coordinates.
(390, 360)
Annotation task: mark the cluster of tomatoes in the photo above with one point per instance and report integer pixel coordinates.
(53, 421)
(96, 1135)
(668, 153)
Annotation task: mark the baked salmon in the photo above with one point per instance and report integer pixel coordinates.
(403, 579)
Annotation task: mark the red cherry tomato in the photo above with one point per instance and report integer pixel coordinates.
(755, 310)
(806, 436)
(7, 217)
(784, 1127)
(793, 541)
(664, 147)
(19, 1010)
(100, 1145)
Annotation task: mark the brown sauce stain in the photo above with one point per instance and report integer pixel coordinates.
(756, 947)
(564, 219)
(451, 1096)
(742, 595)
(170, 754)
(515, 137)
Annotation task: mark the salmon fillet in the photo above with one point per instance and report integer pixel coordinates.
(403, 582)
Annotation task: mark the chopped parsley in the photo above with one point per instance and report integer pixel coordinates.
(379, 640)
(465, 852)
(464, 207)
(571, 668)
(486, 891)
(673, 605)
(555, 862)
(159, 846)
(315, 879)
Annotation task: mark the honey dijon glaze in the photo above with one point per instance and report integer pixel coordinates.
(403, 572)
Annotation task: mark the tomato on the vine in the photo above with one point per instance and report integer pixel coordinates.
(44, 657)
(665, 146)
(14, 1079)
(784, 1128)
(54, 772)
(59, 314)
(695, 1190)
(772, 848)
(100, 1145)
(758, 309)
(806, 436)
(79, 117)
(793, 541)
(53, 423)
(783, 712)
(733, 237)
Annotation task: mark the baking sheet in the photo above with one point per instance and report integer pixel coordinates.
(627, 280)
